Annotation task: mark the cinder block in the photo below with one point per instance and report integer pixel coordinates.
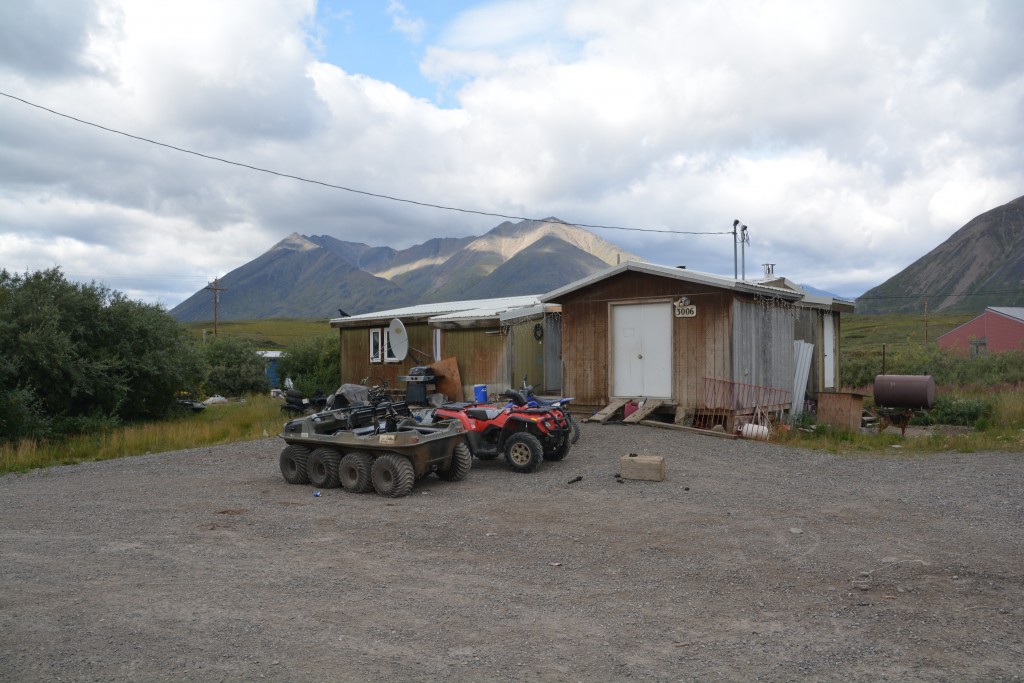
(645, 467)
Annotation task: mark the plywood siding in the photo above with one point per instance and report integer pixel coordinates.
(355, 354)
(701, 345)
(763, 344)
(482, 355)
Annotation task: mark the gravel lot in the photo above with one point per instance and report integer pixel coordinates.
(750, 561)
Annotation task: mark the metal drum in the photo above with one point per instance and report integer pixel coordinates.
(905, 391)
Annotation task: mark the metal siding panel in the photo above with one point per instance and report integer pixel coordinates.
(553, 353)
(763, 343)
(527, 354)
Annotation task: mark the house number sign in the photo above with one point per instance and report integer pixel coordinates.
(684, 309)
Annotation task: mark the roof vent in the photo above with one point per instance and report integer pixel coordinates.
(769, 269)
(681, 267)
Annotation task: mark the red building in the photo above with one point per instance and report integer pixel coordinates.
(994, 331)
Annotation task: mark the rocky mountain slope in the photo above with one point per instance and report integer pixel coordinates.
(980, 265)
(315, 276)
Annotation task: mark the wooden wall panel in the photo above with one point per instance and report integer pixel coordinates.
(355, 354)
(482, 355)
(701, 345)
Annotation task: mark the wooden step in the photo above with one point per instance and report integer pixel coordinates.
(648, 407)
(606, 413)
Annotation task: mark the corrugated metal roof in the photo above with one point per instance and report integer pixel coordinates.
(445, 309)
(1016, 313)
(492, 310)
(678, 274)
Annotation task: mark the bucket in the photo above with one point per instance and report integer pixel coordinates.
(630, 408)
(753, 431)
(480, 393)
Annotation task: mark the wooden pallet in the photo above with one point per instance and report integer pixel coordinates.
(649, 406)
(606, 413)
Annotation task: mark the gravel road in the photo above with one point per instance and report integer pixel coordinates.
(750, 561)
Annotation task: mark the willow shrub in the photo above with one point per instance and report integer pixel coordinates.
(947, 368)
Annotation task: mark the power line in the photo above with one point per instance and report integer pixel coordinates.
(938, 294)
(350, 189)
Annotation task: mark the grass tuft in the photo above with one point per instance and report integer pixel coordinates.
(253, 418)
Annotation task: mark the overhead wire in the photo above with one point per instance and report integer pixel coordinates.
(351, 189)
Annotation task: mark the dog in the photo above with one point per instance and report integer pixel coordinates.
(900, 420)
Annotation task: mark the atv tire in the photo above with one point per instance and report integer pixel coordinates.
(393, 475)
(574, 426)
(293, 464)
(322, 468)
(523, 452)
(354, 472)
(561, 451)
(462, 461)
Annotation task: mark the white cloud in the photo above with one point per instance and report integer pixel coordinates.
(850, 137)
(409, 26)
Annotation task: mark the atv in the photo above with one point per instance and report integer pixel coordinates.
(525, 435)
(372, 446)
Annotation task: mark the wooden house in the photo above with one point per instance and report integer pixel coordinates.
(493, 342)
(996, 330)
(689, 340)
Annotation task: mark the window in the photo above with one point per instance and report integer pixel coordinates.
(376, 347)
(380, 347)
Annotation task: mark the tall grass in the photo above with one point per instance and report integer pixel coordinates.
(254, 418)
(996, 420)
(270, 333)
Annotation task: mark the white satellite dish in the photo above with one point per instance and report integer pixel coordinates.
(398, 338)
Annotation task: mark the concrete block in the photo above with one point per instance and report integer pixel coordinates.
(645, 467)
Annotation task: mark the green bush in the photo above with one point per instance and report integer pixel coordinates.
(313, 364)
(956, 410)
(947, 368)
(81, 356)
(233, 367)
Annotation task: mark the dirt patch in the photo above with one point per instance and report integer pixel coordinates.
(749, 561)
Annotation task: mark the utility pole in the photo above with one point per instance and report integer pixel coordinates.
(744, 241)
(736, 239)
(216, 289)
(735, 265)
(926, 321)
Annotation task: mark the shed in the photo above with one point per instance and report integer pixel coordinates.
(996, 330)
(490, 338)
(272, 358)
(639, 330)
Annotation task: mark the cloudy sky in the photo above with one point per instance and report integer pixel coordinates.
(850, 136)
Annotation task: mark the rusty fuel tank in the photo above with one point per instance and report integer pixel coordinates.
(905, 391)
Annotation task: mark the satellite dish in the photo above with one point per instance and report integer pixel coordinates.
(398, 338)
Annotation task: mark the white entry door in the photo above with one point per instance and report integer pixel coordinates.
(828, 347)
(642, 350)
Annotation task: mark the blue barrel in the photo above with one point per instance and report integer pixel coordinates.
(480, 393)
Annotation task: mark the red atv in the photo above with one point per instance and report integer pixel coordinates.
(525, 435)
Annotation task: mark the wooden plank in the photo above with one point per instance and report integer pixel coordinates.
(649, 406)
(449, 381)
(605, 413)
(683, 428)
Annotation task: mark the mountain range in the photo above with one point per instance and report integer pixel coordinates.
(980, 265)
(318, 276)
